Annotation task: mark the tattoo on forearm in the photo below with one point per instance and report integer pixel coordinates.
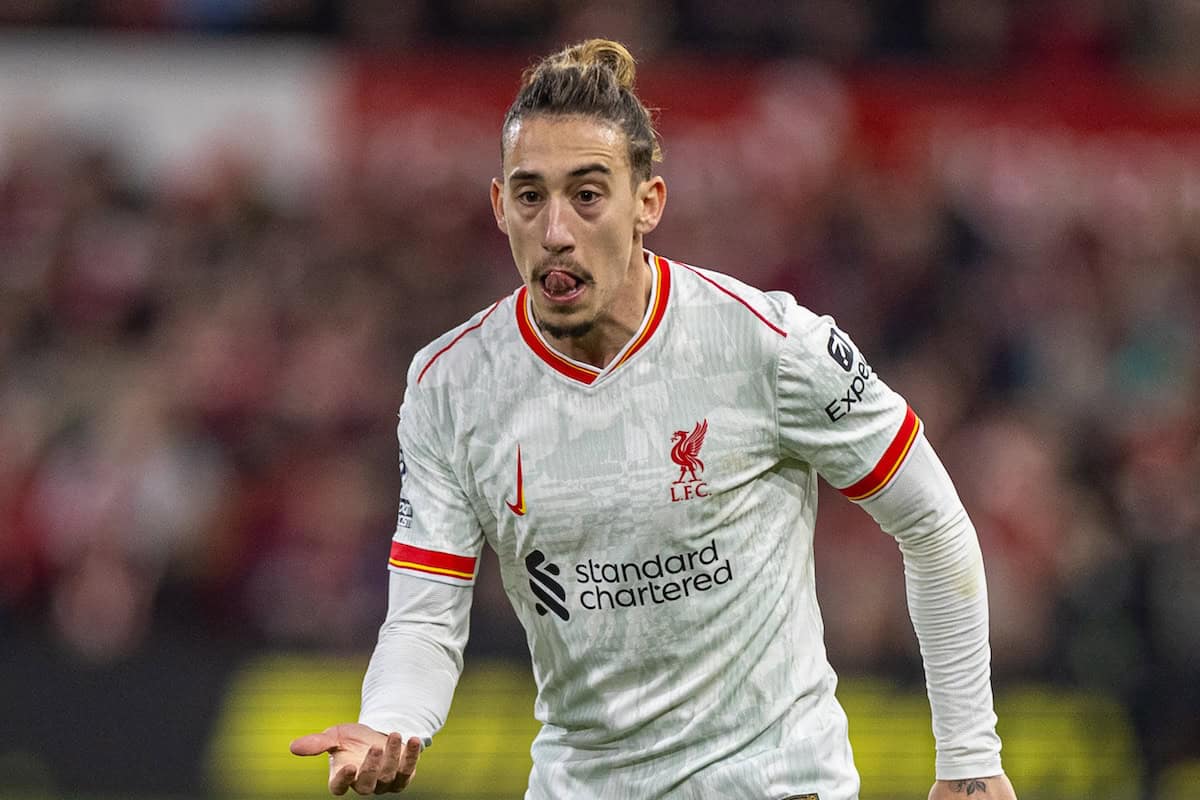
(969, 787)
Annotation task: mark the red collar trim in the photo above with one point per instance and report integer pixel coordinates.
(658, 304)
(584, 374)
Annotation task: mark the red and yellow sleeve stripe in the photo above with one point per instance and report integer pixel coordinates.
(432, 563)
(883, 472)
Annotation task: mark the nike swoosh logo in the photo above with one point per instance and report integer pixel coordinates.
(518, 507)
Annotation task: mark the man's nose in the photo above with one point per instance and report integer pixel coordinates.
(557, 237)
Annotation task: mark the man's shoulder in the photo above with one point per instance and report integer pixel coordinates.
(776, 313)
(460, 353)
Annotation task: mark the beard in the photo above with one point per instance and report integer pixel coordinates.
(577, 331)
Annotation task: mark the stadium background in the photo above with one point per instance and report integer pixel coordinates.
(226, 225)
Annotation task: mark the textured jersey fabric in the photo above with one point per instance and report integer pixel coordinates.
(653, 523)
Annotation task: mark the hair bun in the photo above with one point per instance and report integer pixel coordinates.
(603, 53)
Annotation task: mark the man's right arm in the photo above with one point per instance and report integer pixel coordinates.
(418, 658)
(432, 564)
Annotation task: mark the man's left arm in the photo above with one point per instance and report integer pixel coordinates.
(836, 413)
(947, 602)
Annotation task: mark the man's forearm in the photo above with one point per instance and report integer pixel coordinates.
(947, 601)
(417, 661)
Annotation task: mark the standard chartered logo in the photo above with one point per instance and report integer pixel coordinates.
(611, 586)
(545, 586)
(657, 580)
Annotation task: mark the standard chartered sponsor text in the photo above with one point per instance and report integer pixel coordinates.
(654, 581)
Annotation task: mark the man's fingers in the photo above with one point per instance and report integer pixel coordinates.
(387, 765)
(392, 753)
(368, 771)
(314, 744)
(407, 755)
(340, 777)
(408, 762)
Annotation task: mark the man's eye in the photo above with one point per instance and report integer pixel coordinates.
(588, 196)
(528, 197)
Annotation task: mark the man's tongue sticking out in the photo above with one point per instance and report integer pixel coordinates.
(559, 283)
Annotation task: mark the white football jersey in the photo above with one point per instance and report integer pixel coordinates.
(654, 527)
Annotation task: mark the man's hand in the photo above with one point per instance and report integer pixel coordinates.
(362, 758)
(996, 787)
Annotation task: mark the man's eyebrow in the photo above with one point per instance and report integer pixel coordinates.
(525, 175)
(584, 170)
(578, 172)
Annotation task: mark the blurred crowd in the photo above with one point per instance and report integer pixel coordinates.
(199, 383)
(976, 33)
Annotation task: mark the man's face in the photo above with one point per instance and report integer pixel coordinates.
(574, 216)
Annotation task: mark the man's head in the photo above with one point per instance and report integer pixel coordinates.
(576, 194)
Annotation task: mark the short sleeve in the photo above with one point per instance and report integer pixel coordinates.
(835, 412)
(437, 534)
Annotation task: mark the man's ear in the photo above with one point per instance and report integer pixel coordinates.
(651, 199)
(498, 205)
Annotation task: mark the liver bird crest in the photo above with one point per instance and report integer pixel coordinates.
(686, 452)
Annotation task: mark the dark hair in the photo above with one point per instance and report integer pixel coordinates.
(590, 79)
